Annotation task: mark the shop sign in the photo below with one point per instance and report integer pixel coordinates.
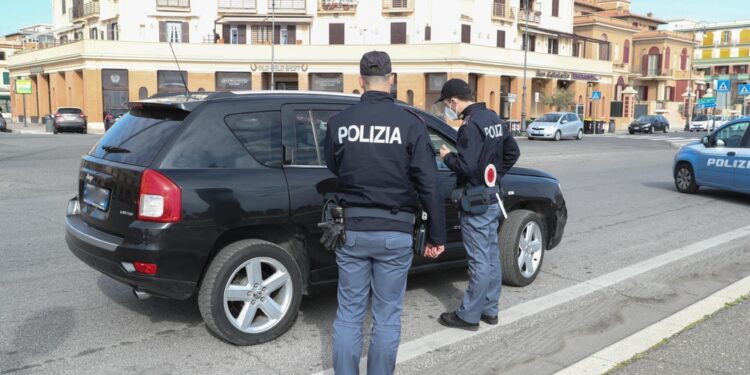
(566, 75)
(279, 68)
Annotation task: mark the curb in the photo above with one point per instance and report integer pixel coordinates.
(641, 341)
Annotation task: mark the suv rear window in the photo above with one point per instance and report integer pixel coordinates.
(138, 136)
(70, 110)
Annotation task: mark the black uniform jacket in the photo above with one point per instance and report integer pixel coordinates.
(384, 159)
(482, 139)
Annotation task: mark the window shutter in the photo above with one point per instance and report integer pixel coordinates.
(501, 38)
(398, 33)
(225, 33)
(644, 65)
(277, 34)
(291, 32)
(427, 33)
(162, 31)
(336, 33)
(242, 34)
(466, 34)
(185, 32)
(556, 8)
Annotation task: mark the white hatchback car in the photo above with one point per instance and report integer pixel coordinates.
(556, 125)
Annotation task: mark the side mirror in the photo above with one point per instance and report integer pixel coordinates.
(564, 121)
(705, 140)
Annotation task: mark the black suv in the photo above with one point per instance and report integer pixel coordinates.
(220, 195)
(649, 124)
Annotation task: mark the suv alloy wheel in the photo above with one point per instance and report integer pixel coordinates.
(251, 292)
(521, 247)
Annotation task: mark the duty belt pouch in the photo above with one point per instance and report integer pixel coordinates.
(475, 200)
(332, 224)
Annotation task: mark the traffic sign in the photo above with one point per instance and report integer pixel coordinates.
(23, 86)
(744, 90)
(707, 100)
(596, 95)
(706, 105)
(723, 85)
(512, 98)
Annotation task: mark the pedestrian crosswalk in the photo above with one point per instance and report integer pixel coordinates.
(676, 141)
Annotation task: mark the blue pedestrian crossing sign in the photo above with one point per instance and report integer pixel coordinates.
(744, 90)
(596, 95)
(723, 85)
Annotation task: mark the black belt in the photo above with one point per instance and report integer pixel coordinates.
(356, 212)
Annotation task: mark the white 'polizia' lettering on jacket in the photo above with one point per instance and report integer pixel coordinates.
(370, 134)
(494, 131)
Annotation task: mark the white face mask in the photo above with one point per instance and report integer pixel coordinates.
(450, 114)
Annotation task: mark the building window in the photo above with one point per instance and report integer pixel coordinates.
(501, 38)
(410, 97)
(532, 43)
(336, 33)
(142, 93)
(434, 83)
(6, 78)
(233, 81)
(726, 37)
(112, 31)
(93, 33)
(552, 45)
(466, 34)
(172, 81)
(261, 34)
(114, 89)
(683, 59)
(626, 52)
(2, 55)
(331, 82)
(555, 8)
(604, 48)
(577, 49)
(174, 32)
(234, 34)
(398, 32)
(63, 7)
(427, 33)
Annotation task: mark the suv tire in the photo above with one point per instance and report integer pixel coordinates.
(521, 224)
(274, 296)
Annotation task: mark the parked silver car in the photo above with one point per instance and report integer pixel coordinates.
(555, 126)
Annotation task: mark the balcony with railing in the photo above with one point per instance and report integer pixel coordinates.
(238, 6)
(337, 6)
(287, 6)
(83, 11)
(502, 12)
(173, 5)
(398, 6)
(534, 14)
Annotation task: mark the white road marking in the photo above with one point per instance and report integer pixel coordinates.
(609, 357)
(445, 337)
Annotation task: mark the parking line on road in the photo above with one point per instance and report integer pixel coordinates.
(641, 341)
(445, 337)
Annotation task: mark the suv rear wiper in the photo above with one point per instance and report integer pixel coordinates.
(115, 150)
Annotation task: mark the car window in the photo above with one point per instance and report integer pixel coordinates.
(437, 141)
(700, 118)
(549, 117)
(310, 130)
(732, 135)
(572, 117)
(142, 133)
(206, 144)
(260, 133)
(70, 111)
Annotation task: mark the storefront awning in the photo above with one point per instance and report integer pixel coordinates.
(263, 19)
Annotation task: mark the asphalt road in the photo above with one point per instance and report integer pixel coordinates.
(59, 316)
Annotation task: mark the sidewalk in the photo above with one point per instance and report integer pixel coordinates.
(719, 344)
(31, 128)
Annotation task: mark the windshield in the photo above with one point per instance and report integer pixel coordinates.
(70, 110)
(700, 118)
(549, 117)
(644, 119)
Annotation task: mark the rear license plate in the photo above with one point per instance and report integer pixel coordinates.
(96, 196)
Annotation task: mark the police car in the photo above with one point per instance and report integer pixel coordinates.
(720, 160)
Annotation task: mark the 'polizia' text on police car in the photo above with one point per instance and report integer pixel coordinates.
(721, 160)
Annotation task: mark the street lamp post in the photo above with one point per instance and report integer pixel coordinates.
(525, 59)
(273, 42)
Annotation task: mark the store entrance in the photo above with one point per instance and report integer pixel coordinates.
(281, 81)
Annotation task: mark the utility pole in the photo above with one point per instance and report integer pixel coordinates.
(273, 43)
(525, 59)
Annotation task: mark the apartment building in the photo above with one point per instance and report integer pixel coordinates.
(723, 53)
(656, 63)
(109, 52)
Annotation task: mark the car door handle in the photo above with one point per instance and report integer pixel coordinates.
(731, 153)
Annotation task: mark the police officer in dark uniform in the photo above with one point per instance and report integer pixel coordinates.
(483, 139)
(385, 163)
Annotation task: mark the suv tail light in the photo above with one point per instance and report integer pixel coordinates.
(57, 115)
(159, 198)
(82, 115)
